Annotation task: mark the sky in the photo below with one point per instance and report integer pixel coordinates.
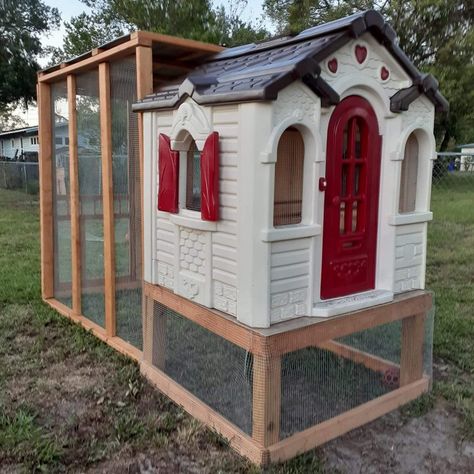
(71, 8)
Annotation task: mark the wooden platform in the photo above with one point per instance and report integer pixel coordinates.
(268, 346)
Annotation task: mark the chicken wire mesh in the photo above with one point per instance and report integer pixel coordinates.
(315, 383)
(127, 201)
(61, 196)
(90, 197)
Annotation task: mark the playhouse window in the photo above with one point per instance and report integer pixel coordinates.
(193, 178)
(409, 176)
(288, 197)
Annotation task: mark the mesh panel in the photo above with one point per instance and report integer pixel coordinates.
(211, 368)
(61, 211)
(90, 194)
(317, 383)
(127, 201)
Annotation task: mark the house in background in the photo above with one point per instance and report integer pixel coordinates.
(21, 143)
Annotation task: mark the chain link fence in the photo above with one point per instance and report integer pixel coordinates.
(452, 170)
(20, 175)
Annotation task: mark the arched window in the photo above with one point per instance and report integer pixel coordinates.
(193, 178)
(408, 181)
(288, 196)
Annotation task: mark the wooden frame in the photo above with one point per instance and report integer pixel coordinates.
(143, 46)
(108, 198)
(269, 345)
(74, 204)
(46, 189)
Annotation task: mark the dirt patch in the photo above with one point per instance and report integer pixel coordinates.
(428, 444)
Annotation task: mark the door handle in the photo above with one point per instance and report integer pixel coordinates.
(323, 184)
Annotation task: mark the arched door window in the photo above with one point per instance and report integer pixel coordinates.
(409, 176)
(288, 195)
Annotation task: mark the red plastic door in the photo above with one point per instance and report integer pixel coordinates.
(351, 200)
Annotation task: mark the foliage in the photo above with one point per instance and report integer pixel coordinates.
(8, 119)
(193, 19)
(21, 24)
(436, 34)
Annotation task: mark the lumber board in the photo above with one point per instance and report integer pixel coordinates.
(120, 51)
(411, 359)
(234, 332)
(371, 361)
(239, 440)
(74, 202)
(266, 400)
(108, 198)
(347, 421)
(46, 189)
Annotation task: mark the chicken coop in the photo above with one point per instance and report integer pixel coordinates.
(249, 224)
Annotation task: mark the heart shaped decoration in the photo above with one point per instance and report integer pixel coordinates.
(360, 53)
(332, 65)
(384, 73)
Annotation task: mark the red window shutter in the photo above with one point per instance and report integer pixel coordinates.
(210, 178)
(168, 175)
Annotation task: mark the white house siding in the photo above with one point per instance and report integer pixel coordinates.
(290, 279)
(410, 250)
(186, 258)
(166, 233)
(224, 241)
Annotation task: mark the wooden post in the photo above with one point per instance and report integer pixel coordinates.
(108, 198)
(266, 403)
(45, 109)
(74, 202)
(411, 360)
(144, 64)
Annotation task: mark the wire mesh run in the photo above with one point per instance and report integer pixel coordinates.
(213, 369)
(90, 195)
(127, 201)
(272, 397)
(61, 196)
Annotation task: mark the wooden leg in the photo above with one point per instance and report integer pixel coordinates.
(411, 360)
(266, 399)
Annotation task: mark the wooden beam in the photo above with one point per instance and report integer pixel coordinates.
(144, 78)
(240, 441)
(108, 197)
(120, 51)
(74, 202)
(403, 306)
(144, 71)
(266, 400)
(411, 359)
(370, 361)
(212, 320)
(117, 343)
(337, 426)
(167, 40)
(45, 109)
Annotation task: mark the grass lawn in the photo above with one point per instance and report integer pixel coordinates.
(70, 403)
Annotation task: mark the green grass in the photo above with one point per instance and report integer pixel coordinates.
(450, 274)
(69, 402)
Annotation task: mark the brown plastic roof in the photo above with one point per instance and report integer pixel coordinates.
(258, 71)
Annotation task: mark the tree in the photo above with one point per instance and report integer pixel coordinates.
(437, 35)
(8, 118)
(193, 19)
(21, 24)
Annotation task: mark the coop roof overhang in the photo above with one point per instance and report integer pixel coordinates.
(172, 57)
(258, 71)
